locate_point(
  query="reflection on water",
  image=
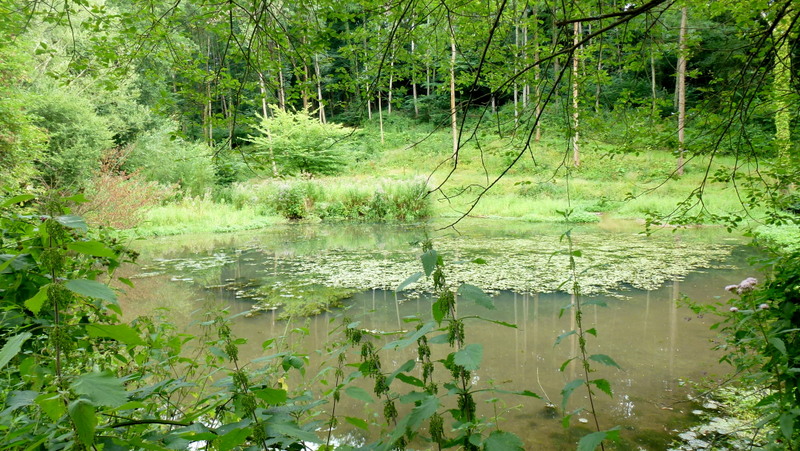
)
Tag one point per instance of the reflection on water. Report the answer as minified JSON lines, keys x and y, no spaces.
{"x":659,"y":345}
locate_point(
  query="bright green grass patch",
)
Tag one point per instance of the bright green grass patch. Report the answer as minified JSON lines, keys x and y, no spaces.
{"x":200,"y":214}
{"x":784,"y":237}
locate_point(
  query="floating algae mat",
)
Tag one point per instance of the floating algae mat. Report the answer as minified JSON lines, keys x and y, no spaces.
{"x":278,"y":266}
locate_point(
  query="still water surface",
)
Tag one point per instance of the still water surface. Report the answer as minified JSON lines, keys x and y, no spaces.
{"x":661,"y":347}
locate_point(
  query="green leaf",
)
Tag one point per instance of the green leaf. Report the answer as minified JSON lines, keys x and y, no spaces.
{"x":82,"y":414}
{"x":12,"y":347}
{"x":429,"y":260}
{"x":405,"y":342}
{"x":592,"y":331}
{"x":17,"y":399}
{"x":604,"y":359}
{"x":439,"y":310}
{"x":233,"y":438}
{"x":479,"y":261}
{"x":404,"y":368}
{"x":779,"y":345}
{"x":590,"y":442}
{"x":563,"y":336}
{"x":422,"y":412}
{"x":92,"y":289}
{"x":17,"y":262}
{"x":411,"y":279}
{"x":473,"y":293}
{"x":502,"y":441}
{"x":16,"y":200}
{"x":787,"y":425}
{"x":73,"y":222}
{"x":410,"y":380}
{"x":274,"y":396}
{"x":357,"y":422}
{"x":566,"y":392}
{"x":102,"y":389}
{"x":603,"y":385}
{"x":120,"y":332}
{"x":52,"y":405}
{"x":93,"y":248}
{"x":470,"y":357}
{"x":564,"y":364}
{"x":290,"y":430}
{"x":78,"y":198}
{"x":35,"y":303}
{"x":358,"y":393}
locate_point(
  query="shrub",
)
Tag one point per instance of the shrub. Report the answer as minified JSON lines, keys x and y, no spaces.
{"x":77,"y":137}
{"x":298,"y":143}
{"x":290,"y":201}
{"x":162,"y":157}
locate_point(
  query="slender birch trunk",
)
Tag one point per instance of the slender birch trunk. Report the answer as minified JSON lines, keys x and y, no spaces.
{"x":576,"y":157}
{"x":682,"y":89}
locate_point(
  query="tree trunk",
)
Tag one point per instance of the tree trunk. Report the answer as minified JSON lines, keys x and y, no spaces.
{"x":681,"y":88}
{"x":380,"y":116}
{"x":320,"y":100}
{"x":453,"y":118}
{"x":262,"y":86}
{"x":414,"y":82}
{"x":576,"y":157}
{"x":537,"y":76}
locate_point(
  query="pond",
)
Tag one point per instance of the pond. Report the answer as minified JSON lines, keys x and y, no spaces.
{"x":662,"y":348}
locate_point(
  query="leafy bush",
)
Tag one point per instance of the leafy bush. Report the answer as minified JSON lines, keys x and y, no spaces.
{"x":290,"y":201}
{"x":761,"y":328}
{"x":162,"y":157}
{"x":298,"y":143}
{"x":77,"y":137}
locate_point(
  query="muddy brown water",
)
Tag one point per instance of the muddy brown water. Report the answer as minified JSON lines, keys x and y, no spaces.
{"x":663,"y":348}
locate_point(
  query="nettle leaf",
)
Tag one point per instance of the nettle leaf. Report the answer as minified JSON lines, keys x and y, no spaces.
{"x":16,"y":200}
{"x":475,"y":294}
{"x":411,"y":279}
{"x":73,"y":222}
{"x":408,"y":366}
{"x":787,"y":425}
{"x":603,"y":385}
{"x":470,"y":357}
{"x":439,"y":310}
{"x":19,"y":398}
{"x":429,"y":260}
{"x":82,"y":414}
{"x":52,"y":405}
{"x":779,"y":344}
{"x":274,"y":396}
{"x":102,"y":389}
{"x":120,"y":332}
{"x":422,"y":412}
{"x":93,"y":248}
{"x":563,"y":336}
{"x":590,"y":442}
{"x":92,"y":289}
{"x":502,"y":441}
{"x":35,"y":303}
{"x":604,"y":359}
{"x":358,"y":393}
{"x":566,"y":392}
{"x":357,"y":422}
{"x":411,"y":339}
{"x":12,"y":347}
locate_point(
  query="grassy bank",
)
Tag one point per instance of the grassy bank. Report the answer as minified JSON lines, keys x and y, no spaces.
{"x":389,"y":186}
